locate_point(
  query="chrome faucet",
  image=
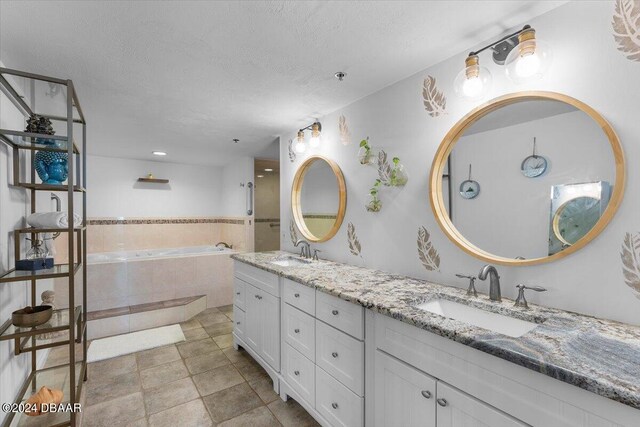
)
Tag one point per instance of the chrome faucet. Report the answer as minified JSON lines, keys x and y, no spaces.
{"x":494,"y":282}
{"x":225,"y":244}
{"x":305,"y":251}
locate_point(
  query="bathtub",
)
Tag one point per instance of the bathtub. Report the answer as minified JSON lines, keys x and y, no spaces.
{"x":121,"y":256}
{"x":130,"y":278}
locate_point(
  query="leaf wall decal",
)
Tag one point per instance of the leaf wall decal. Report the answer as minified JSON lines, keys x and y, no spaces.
{"x":631,"y":261}
{"x":626,"y":28}
{"x":384,"y":168}
{"x":293,"y":232}
{"x":354,"y":243}
{"x":434,"y":100}
{"x":292,"y":153}
{"x":345,"y":135}
{"x":426,"y":252}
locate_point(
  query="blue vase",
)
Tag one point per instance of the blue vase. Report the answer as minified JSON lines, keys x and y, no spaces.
{"x":52,"y":167}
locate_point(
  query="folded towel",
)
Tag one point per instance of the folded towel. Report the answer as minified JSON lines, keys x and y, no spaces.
{"x":53,"y":220}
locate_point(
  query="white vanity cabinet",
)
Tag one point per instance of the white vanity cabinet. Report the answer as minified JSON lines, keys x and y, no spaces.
{"x":257,"y":316}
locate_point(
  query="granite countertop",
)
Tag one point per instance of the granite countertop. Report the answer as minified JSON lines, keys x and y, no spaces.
{"x":601,"y":356}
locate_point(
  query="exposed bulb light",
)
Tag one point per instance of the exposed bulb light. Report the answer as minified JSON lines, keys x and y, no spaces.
{"x":158,"y":153}
{"x":314,"y":142}
{"x":268,"y":170}
{"x":529,"y":60}
{"x":260,"y":176}
{"x":301,"y":147}
{"x":473,"y":81}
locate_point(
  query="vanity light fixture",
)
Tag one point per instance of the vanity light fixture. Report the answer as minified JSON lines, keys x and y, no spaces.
{"x":525,"y":58}
{"x":314,"y":142}
{"x":159,"y":153}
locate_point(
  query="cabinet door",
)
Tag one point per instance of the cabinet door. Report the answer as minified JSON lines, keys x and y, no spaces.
{"x":404,"y":396}
{"x":253,"y":322}
{"x":457,"y":409}
{"x":270,"y":329}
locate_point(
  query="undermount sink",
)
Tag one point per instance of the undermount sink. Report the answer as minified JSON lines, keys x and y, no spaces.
{"x":478,"y":317}
{"x":290,"y":262}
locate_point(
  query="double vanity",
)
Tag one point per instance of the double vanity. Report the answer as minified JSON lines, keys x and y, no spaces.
{"x":360,"y":347}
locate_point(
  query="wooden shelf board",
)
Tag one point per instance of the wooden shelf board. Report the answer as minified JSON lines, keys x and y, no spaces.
{"x":154,"y":180}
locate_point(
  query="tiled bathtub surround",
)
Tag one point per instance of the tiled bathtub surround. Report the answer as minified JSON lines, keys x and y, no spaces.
{"x":598,"y":355}
{"x":124,"y":283}
{"x":112,"y":235}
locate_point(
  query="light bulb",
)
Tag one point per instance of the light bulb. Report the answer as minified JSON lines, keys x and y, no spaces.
{"x":314,"y":142}
{"x":528,"y":65}
{"x":301,"y":147}
{"x":529,"y":60}
{"x":474,"y":81}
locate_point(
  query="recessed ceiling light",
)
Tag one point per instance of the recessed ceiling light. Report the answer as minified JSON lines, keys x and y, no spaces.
{"x":159,"y":153}
{"x":260,"y":176}
{"x":268,"y":170}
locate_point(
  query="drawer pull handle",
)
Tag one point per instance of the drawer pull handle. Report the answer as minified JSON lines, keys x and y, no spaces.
{"x":442,"y":402}
{"x":334,"y":405}
{"x":334,"y":354}
{"x":237,"y":293}
{"x":256,"y":296}
{"x":237,"y":323}
{"x":297,"y":331}
{"x":297,"y":295}
{"x":334,"y":312}
{"x":426,"y":394}
{"x":296,"y":372}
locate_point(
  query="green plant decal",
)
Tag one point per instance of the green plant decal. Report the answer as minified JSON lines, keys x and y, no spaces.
{"x":365,"y":157}
{"x":398,"y":177}
{"x":375,"y":204}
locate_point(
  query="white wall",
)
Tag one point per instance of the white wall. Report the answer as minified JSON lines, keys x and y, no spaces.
{"x":114,"y":190}
{"x":517,"y":207}
{"x":234,"y":195}
{"x":587,"y":66}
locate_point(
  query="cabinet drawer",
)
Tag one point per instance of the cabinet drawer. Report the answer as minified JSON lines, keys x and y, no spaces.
{"x":300,"y":331}
{"x":339,"y":405}
{"x":346,"y":316}
{"x":340,"y":355}
{"x":261,"y":279}
{"x":239,"y":291}
{"x":239,"y":322}
{"x":299,"y":373}
{"x":299,"y":296}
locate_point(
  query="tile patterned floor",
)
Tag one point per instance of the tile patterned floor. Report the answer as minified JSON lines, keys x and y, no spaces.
{"x":198,"y":383}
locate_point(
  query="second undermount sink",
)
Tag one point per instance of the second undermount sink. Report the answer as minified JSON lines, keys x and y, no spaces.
{"x":505,"y":325}
{"x":291,"y":262}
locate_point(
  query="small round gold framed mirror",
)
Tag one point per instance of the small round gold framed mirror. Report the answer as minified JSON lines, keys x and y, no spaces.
{"x":318,"y":198}
{"x":527,"y":219}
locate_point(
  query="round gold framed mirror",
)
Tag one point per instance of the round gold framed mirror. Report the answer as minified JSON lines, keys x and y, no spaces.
{"x":318,"y":198}
{"x":538,"y":156}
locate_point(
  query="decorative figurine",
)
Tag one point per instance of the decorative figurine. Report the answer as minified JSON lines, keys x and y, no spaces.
{"x":48,"y":298}
{"x":51,"y":166}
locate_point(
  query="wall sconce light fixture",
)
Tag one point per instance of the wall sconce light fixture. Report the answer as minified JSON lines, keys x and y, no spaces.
{"x":525,"y":57}
{"x":314,"y":142}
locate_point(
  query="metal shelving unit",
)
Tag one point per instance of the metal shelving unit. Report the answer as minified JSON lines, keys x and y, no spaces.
{"x":65,"y":327}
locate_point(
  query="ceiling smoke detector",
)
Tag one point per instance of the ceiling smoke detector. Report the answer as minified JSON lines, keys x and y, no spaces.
{"x":236,"y":140}
{"x":340,"y":75}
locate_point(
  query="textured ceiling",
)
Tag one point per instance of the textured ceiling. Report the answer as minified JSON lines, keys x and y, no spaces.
{"x":188,"y":77}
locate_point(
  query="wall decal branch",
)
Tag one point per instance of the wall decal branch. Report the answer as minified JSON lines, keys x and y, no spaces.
{"x":434,"y":100}
{"x":354,"y":243}
{"x":426,"y":252}
{"x":626,"y":28}
{"x":293,"y":232}
{"x":292,"y":153}
{"x":631,"y":261}
{"x":345,"y":135}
